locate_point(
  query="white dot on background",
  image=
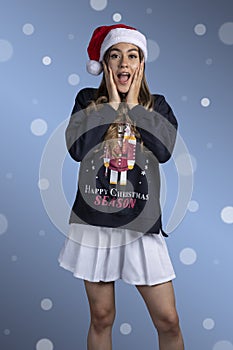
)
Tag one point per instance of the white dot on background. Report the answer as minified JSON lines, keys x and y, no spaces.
{"x":193,"y":206}
{"x":200,"y":29}
{"x":9,"y":176}
{"x":209,"y":61}
{"x":209,"y":145}
{"x":216,"y":262}
{"x":149,"y":11}
{"x":39,"y":127}
{"x":43,"y":184}
{"x":208,"y":323}
{"x":188,"y":256}
{"x":153,"y":50}
{"x":6,"y":332}
{"x":98,"y":5}
{"x":35,"y":101}
{"x":73,"y":79}
{"x":28,"y":29}
{"x":223,"y":345}
{"x":117,"y":17}
{"x":14,"y":258}
{"x":227,"y":215}
{"x":41,"y":233}
{"x":205,"y":101}
{"x":71,"y":36}
{"x":44,"y":344}
{"x":184,"y":98}
{"x":46,"y":60}
{"x":6,"y":50}
{"x":46,"y":304}
{"x":125,"y":328}
{"x":226,"y":33}
{"x":186,"y":164}
{"x":3,"y":224}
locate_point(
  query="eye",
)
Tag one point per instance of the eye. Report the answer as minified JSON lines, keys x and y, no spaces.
{"x":114,"y":56}
{"x":133,"y":56}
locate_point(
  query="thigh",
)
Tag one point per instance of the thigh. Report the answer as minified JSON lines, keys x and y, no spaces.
{"x":101,"y":296}
{"x":160,"y":301}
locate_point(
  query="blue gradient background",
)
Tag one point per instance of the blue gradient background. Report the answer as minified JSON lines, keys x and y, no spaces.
{"x":188,"y":68}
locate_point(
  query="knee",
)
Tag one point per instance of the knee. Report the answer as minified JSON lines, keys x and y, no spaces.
{"x":169,"y":323}
{"x":102,"y":318}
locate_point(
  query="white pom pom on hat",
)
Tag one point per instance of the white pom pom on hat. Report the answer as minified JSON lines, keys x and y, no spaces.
{"x":105,"y":36}
{"x":94,"y":67}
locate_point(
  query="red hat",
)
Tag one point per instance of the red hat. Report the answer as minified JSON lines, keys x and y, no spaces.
{"x":105,"y":36}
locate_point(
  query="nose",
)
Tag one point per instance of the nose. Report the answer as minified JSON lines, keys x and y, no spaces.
{"x":123,"y":62}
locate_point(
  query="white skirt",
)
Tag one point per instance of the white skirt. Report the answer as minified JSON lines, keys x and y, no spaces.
{"x":106,"y":254}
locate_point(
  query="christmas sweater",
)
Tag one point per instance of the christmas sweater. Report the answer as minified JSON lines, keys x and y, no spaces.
{"x":119,"y":179}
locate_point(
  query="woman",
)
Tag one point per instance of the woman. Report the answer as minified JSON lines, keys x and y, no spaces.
{"x":120,"y":133}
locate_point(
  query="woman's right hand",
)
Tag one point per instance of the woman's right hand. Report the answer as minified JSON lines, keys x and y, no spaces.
{"x":114,"y":98}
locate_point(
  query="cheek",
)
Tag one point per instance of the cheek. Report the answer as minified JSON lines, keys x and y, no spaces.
{"x":109,"y":65}
{"x":112,"y":65}
{"x":135,"y":66}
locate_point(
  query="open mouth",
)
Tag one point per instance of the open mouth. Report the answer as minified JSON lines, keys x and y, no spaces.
{"x":123,"y":77}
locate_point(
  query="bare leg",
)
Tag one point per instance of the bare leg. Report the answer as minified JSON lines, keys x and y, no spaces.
{"x":160,"y":301}
{"x":101,"y":299}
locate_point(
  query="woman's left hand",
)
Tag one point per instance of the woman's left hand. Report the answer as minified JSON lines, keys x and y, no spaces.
{"x":114,"y":98}
{"x":132,"y":96}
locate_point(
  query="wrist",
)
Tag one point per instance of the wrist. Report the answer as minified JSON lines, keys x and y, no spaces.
{"x":114,"y":104}
{"x":132,"y":104}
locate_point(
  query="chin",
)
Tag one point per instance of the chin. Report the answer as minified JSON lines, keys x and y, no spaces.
{"x":123,"y":89}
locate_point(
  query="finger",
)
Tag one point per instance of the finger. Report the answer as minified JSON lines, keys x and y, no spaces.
{"x":135,"y":76}
{"x":105,"y":69}
{"x":111,"y":75}
{"x":139,"y":74}
{"x":141,"y":67}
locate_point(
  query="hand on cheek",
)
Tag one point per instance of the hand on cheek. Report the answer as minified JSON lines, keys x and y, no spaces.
{"x":114,"y":98}
{"x":133,"y":94}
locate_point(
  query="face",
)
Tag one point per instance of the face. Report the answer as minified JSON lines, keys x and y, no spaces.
{"x":123,"y":60}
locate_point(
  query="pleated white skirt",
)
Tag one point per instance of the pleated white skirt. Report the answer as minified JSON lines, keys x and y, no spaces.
{"x":104,"y":254}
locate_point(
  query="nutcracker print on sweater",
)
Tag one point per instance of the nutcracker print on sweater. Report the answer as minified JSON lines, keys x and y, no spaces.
{"x":119,"y":154}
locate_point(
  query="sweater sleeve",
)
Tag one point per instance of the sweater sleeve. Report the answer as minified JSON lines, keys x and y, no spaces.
{"x":158,"y":128}
{"x":86,"y":129}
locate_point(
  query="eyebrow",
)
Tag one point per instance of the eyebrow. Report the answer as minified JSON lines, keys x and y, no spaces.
{"x":116,"y":49}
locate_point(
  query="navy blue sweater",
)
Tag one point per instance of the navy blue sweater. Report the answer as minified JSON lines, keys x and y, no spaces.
{"x":136,"y":205}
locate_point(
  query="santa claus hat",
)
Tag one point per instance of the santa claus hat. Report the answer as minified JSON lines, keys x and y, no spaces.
{"x":105,"y":36}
